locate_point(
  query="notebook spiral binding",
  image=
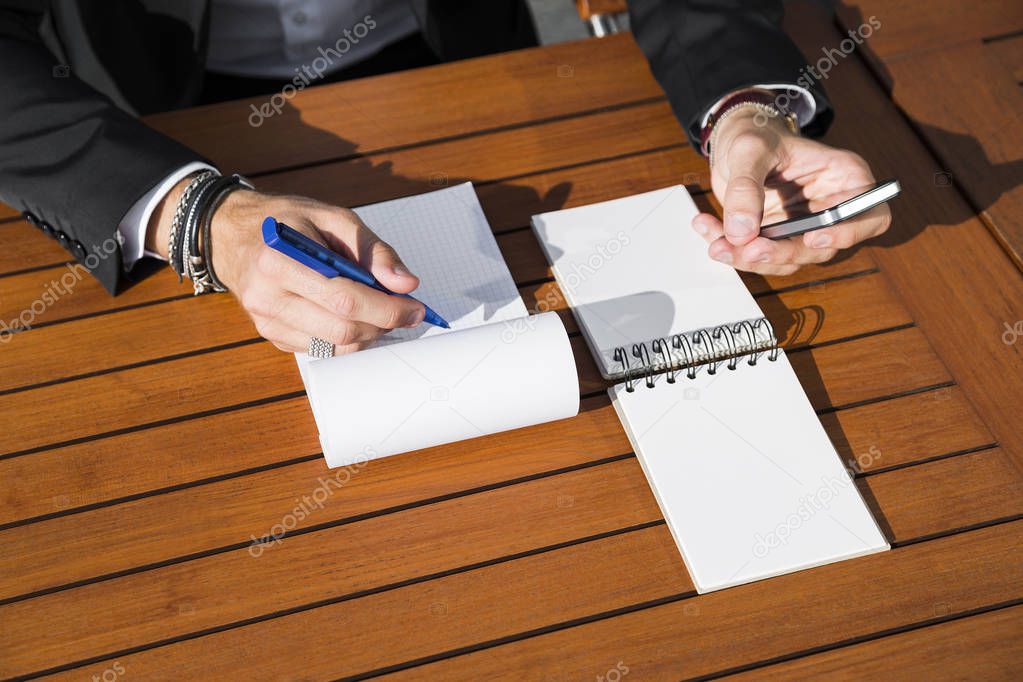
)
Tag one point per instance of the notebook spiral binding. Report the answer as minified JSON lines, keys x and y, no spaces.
{"x":711,"y":346}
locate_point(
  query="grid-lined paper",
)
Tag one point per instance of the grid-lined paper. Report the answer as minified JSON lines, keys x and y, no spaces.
{"x":444,"y":238}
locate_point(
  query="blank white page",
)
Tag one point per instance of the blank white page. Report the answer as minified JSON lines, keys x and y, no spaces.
{"x":441,"y":389}
{"x":745,"y":475}
{"x":634,"y":270}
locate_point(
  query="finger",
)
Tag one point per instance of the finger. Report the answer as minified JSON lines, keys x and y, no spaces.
{"x":748,"y":160}
{"x":342,"y":297}
{"x":294,"y":312}
{"x":294,"y":341}
{"x":708,"y":226}
{"x":358,"y":302}
{"x":763,"y":251}
{"x":870,"y":224}
{"x":372,"y":253}
{"x":725,"y":252}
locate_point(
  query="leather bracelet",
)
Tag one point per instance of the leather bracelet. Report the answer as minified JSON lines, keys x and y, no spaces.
{"x":192,"y":214}
{"x":205,"y":278}
{"x":174,"y":239}
{"x":195,"y":263}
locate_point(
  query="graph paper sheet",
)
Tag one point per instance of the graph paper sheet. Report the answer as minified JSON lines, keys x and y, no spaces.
{"x":496,"y":368}
{"x":444,"y":238}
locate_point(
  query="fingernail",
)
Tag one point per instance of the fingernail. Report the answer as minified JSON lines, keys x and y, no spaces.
{"x":821,"y":240}
{"x":738,"y":225}
{"x":699,"y":227}
{"x":401,"y":271}
{"x":415,"y":317}
{"x":724,"y":257}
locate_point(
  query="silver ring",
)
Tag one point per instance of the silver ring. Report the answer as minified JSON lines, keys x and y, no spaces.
{"x":318,"y":348}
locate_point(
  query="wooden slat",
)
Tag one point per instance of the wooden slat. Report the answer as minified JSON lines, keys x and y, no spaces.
{"x":786,"y":615}
{"x":988,"y":646}
{"x":913,"y":26}
{"x":895,"y":432}
{"x":968,"y":106}
{"x":27,"y":247}
{"x":588,"y":577}
{"x":957,"y":492}
{"x":358,"y":117}
{"x":146,"y":394}
{"x":849,"y":373}
{"x":29,"y":566}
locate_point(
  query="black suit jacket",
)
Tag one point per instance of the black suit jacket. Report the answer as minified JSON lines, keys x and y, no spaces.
{"x":76,"y":73}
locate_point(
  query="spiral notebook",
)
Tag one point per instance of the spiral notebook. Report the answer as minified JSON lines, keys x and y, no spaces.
{"x":747,"y":480}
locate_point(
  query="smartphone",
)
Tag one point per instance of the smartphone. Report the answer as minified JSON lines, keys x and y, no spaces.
{"x":808,"y":216}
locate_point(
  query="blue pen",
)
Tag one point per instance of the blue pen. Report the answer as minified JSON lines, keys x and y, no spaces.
{"x":314,"y":255}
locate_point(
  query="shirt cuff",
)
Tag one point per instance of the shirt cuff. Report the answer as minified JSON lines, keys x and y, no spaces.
{"x":131,"y":232}
{"x":794,"y":98}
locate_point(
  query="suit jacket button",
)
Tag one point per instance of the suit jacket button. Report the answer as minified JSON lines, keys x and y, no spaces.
{"x":64,"y":240}
{"x":31,"y":218}
{"x":78,"y":250}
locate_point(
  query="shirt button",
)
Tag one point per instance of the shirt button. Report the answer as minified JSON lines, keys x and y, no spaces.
{"x":299,"y":18}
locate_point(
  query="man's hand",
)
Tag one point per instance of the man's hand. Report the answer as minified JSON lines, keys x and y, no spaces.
{"x":288,"y":302}
{"x":760,"y":168}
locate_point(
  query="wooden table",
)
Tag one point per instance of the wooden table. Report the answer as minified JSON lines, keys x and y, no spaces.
{"x":535,"y":554}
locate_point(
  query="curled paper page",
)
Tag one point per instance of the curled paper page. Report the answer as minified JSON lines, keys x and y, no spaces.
{"x":441,"y":389}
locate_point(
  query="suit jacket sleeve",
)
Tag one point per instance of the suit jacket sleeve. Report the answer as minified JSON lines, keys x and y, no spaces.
{"x":69,"y":158}
{"x":700,"y":50}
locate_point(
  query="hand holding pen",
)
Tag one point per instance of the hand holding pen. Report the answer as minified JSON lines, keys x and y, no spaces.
{"x":290,"y":303}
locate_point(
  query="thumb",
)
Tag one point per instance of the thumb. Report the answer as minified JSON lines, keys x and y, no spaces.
{"x":748,"y":163}
{"x":349,"y":232}
{"x":386,"y":266}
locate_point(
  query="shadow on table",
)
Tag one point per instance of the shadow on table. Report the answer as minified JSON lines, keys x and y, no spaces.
{"x":950,"y":149}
